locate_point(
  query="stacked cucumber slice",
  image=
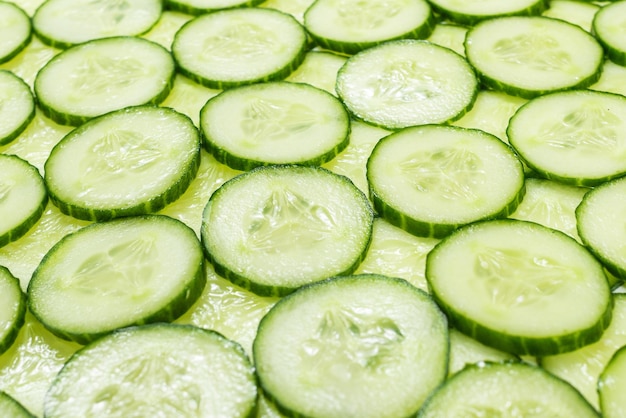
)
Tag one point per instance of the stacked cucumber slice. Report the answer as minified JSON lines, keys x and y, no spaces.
{"x":323,"y":208}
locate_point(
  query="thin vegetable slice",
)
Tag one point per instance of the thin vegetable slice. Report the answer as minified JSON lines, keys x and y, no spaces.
{"x":15,"y":30}
{"x":17,"y":106}
{"x":9,"y":407}
{"x":198,"y":7}
{"x":12,"y":309}
{"x":520,"y":287}
{"x":608,"y":27}
{"x":470,"y":12}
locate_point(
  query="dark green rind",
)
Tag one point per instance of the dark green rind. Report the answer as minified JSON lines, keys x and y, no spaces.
{"x":63,"y":118}
{"x":19,"y":48}
{"x":275,"y":290}
{"x":11,"y":334}
{"x":237,"y":162}
{"x":183,"y":7}
{"x":525,"y":93}
{"x":217,"y":84}
{"x":423,"y":31}
{"x":60,"y":44}
{"x":466,"y":19}
{"x":174,"y":308}
{"x":18,"y":231}
{"x":286,"y":412}
{"x":154,"y":328}
{"x":11,"y":408}
{"x":151,"y":205}
{"x":581,"y":403}
{"x":517,"y":344}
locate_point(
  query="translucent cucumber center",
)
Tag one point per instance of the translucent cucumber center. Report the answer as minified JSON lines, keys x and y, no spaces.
{"x":100,"y":74}
{"x":406,"y":81}
{"x":240,"y":41}
{"x":536,"y":49}
{"x":348,"y":343}
{"x":288,"y":223}
{"x":363,"y":15}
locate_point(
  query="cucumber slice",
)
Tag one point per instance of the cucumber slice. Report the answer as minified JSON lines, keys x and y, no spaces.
{"x":597,"y":217}
{"x":12,"y":310}
{"x":274,"y":123}
{"x":611,"y":384}
{"x":356,"y":346}
{"x":473,"y":11}
{"x":582,"y":367}
{"x":15,"y":30}
{"x":96,"y":77}
{"x":450,"y":36}
{"x":198,"y":7}
{"x":23,"y":197}
{"x":608,"y":27}
{"x":109,"y":275}
{"x":431,"y":179}
{"x":319,"y":69}
{"x":506,"y":390}
{"x":576,"y":137}
{"x":551,"y":204}
{"x":405,"y":83}
{"x":465,"y":350}
{"x":11,"y":408}
{"x":128,"y":162}
{"x":578,"y":12}
{"x":520,"y":287}
{"x":242,"y":46}
{"x":612,"y":80}
{"x":349,"y":26}
{"x":159,"y":370}
{"x":276,"y":228}
{"x":64,"y":23}
{"x":17,"y":106}
{"x":528,"y":56}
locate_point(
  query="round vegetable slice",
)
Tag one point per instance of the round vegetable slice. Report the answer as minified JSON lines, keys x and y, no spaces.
{"x":608,"y":27}
{"x":12,"y":309}
{"x":506,"y":389}
{"x":472,"y":12}
{"x":240,"y":46}
{"x":431,"y":179}
{"x":528,"y":56}
{"x":114,"y":274}
{"x":520,"y":287}
{"x":355,"y":346}
{"x":198,"y":7}
{"x":64,"y":23}
{"x":155,"y":370}
{"x":9,"y":407}
{"x":99,"y":76}
{"x":15,"y":30}
{"x":407,"y":82}
{"x":17,"y":106}
{"x":276,"y":228}
{"x":128,"y":162}
{"x":274,"y":123}
{"x":611,"y":384}
{"x":23,"y":197}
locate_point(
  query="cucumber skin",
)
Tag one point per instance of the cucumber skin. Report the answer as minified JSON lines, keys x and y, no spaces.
{"x":350,"y":48}
{"x":535,"y":9}
{"x":178,"y":6}
{"x":11,"y":335}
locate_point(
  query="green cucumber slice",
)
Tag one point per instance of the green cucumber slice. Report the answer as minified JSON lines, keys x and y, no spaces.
{"x":472,"y":12}
{"x":114,"y":274}
{"x":580,"y":13}
{"x":355,"y":346}
{"x":241,"y":46}
{"x":612,"y":80}
{"x":64,"y":23}
{"x":611,"y":384}
{"x":506,"y":390}
{"x":276,"y":228}
{"x":407,"y":82}
{"x":528,"y":56}
{"x":431,"y":179}
{"x":9,"y":407}
{"x":465,"y":350}
{"x":15,"y":30}
{"x":198,"y":7}
{"x":128,"y":162}
{"x":17,"y":106}
{"x":23,"y":197}
{"x":12,"y":309}
{"x":274,"y":123}
{"x":598,"y":219}
{"x":319,"y":69}
{"x":520,"y":287}
{"x":159,"y":370}
{"x":99,"y":76}
{"x":608,"y":27}
{"x":450,"y":36}
{"x":576,"y":137}
{"x":349,"y":26}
